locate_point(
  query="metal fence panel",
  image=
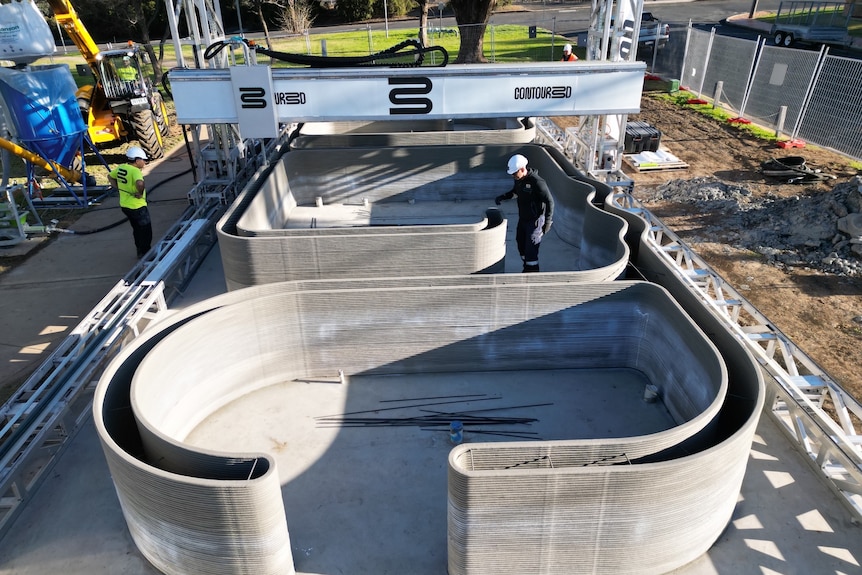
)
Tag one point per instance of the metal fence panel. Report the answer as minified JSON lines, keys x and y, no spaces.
{"x":782,"y":78}
{"x":667,"y":60}
{"x":833,"y":118}
{"x":501,"y":46}
{"x":730,"y":62}
{"x":696,"y":60}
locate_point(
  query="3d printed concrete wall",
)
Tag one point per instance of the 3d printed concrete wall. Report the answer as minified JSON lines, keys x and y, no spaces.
{"x":632,"y":504}
{"x":414,"y":133}
{"x":414,"y":211}
{"x":232,"y":514}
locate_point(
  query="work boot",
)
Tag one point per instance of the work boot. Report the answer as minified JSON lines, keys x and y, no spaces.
{"x":529,"y":268}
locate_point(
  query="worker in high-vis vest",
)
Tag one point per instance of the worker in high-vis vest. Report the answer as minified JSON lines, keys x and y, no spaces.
{"x":128,"y":180}
{"x":127,"y":72}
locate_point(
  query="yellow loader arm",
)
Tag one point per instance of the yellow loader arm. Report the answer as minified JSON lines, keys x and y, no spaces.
{"x":68,"y":19}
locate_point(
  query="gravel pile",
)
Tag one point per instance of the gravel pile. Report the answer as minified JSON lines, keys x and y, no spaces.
{"x":822,"y":231}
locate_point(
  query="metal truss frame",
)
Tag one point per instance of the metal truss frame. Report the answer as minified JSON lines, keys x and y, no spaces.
{"x":800,"y":390}
{"x":599,"y":140}
{"x":39,"y":421}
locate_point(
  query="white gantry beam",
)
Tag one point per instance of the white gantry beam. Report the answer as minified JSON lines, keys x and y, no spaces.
{"x":258,"y":98}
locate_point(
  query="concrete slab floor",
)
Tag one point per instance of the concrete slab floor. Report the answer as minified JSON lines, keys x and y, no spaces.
{"x":787,"y":521}
{"x":366,"y":497}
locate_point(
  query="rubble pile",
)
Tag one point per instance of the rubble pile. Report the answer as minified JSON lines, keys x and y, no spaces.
{"x":819,"y":230}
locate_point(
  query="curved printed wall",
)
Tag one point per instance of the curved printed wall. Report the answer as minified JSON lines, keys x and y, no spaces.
{"x":414,"y":133}
{"x":562,"y":506}
{"x":393,"y":212}
{"x":194,"y":362}
{"x":200,"y":512}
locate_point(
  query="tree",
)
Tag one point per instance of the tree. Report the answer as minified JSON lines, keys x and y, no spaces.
{"x":423,"y":22}
{"x":110,"y":21}
{"x":355,"y":10}
{"x":296,"y":16}
{"x":141,"y":22}
{"x":266,"y":11}
{"x":472,"y":17}
{"x":258,"y":7}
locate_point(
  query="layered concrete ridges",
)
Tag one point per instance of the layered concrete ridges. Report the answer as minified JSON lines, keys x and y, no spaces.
{"x":199,"y":523}
{"x":189,"y":366}
{"x":387,"y":212}
{"x":361,"y":263}
{"x":414,"y":133}
{"x":189,"y":511}
{"x":589,"y":517}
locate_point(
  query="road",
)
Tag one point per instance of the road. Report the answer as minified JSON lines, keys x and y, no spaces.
{"x":574,"y":17}
{"x":570,"y":19}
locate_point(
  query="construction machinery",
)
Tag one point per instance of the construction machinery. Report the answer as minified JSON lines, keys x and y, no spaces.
{"x":40,"y":123}
{"x":123,"y":102}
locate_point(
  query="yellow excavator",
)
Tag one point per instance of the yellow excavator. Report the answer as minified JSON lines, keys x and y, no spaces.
{"x":123,"y":101}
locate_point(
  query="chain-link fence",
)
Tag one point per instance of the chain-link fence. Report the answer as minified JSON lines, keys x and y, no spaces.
{"x":804,"y":94}
{"x":527,"y":35}
{"x":807,"y":94}
{"x":709,"y":59}
{"x":781,"y":80}
{"x":501,"y":43}
{"x":832,"y":117}
{"x":512,"y":34}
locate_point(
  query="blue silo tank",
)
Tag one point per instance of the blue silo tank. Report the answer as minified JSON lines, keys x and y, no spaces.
{"x":43,"y":110}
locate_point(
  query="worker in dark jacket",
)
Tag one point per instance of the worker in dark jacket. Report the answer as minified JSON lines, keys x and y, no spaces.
{"x":535,"y":210}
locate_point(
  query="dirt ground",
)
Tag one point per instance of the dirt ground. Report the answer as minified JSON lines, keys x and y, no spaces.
{"x":820,"y":312}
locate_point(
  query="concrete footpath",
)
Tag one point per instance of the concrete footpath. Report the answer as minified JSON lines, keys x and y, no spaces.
{"x":743,"y":21}
{"x":43,"y":298}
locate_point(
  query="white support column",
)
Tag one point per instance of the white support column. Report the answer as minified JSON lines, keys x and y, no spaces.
{"x":613,"y":37}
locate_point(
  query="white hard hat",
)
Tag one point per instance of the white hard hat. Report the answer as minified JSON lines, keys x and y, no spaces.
{"x":567,"y":48}
{"x":134,"y":152}
{"x":516,"y":162}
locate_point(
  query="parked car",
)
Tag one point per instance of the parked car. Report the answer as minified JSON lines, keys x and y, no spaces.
{"x":653,"y":32}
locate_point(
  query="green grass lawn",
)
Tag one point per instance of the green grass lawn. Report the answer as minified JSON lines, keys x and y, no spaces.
{"x":504,"y":43}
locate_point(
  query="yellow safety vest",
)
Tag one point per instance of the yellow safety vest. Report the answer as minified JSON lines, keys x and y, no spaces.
{"x":127,"y":73}
{"x":126,"y":176}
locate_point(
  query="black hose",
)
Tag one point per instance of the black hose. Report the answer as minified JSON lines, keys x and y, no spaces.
{"x":295,"y":134}
{"x":384,"y":58}
{"x":191,"y":155}
{"x":415,"y":49}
